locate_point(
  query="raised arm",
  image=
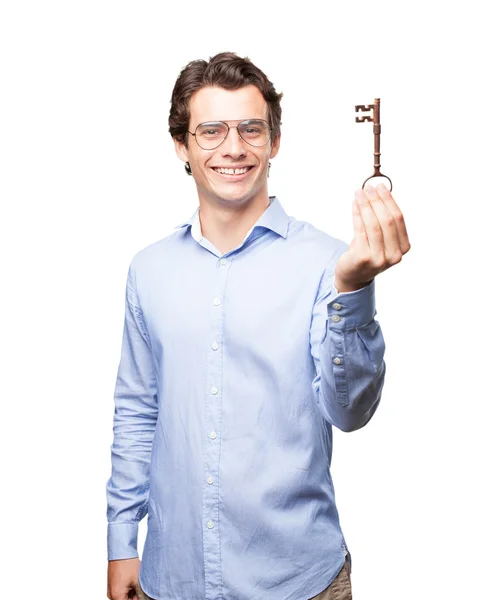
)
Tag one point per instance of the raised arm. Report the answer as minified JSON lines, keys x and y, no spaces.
{"x":347,"y":346}
{"x":346,"y":342}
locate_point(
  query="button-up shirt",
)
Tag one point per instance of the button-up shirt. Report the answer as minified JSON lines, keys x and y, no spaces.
{"x":234,"y":368}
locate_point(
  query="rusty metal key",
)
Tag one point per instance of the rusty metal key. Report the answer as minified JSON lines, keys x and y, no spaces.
{"x":377,"y":133}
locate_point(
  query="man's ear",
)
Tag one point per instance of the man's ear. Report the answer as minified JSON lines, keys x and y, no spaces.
{"x":275,"y":146}
{"x":181,"y":151}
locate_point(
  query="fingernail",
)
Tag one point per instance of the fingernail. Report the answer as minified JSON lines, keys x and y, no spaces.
{"x":369,"y":189}
{"x":382,"y":187}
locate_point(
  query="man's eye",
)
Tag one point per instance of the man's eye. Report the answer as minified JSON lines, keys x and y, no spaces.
{"x":211,"y":131}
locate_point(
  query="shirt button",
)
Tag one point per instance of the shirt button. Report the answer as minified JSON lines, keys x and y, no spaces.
{"x":213,"y":435}
{"x":223,"y":261}
{"x":337,"y":361}
{"x":214,"y":345}
{"x":336,"y":318}
{"x":337,"y":306}
{"x":214,"y":390}
{"x":210,"y":479}
{"x":210,"y":524}
{"x":216,"y":301}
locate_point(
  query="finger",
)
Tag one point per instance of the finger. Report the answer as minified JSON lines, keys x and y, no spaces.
{"x":372,"y":226}
{"x":394,"y":209}
{"x":392,"y":247}
{"x":360,"y":236}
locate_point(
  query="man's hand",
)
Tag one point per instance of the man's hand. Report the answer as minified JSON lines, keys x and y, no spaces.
{"x":122,"y":579}
{"x":380,"y":239}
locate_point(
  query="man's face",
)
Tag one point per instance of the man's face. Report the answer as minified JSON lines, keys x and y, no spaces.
{"x":217,"y":104}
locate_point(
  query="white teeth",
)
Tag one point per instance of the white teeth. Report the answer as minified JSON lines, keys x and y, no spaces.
{"x":231,"y":171}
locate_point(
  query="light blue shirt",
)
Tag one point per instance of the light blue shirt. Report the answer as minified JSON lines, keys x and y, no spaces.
{"x":233,"y":369}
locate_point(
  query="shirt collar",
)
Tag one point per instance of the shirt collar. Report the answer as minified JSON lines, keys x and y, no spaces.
{"x":274,"y":218}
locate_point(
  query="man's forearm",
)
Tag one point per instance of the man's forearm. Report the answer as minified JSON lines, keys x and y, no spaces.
{"x":350,"y":362}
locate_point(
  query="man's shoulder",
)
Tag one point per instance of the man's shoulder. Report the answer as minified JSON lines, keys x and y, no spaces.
{"x":156,"y":251}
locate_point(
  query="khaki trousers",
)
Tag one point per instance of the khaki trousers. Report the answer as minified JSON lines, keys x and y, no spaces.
{"x":340,"y":588}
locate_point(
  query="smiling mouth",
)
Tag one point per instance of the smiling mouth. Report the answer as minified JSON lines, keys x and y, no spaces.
{"x":232,"y":172}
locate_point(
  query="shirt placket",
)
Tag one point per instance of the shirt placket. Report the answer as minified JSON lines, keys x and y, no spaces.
{"x":213,"y":413}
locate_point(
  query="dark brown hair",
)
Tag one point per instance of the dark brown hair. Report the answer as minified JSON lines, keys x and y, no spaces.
{"x":226,"y":70}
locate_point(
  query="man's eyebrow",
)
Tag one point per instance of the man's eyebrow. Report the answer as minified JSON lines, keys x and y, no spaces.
{"x":232,"y":120}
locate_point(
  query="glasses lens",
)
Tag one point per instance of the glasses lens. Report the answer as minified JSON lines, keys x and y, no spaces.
{"x":209,"y":135}
{"x":255,"y":131}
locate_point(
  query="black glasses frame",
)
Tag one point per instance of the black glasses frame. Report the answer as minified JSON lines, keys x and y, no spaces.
{"x":232,"y":127}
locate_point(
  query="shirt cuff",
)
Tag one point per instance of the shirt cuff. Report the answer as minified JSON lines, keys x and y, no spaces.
{"x":122,"y":540}
{"x":348,"y":310}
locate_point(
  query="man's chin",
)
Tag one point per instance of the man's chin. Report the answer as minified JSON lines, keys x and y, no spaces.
{"x":226,"y":194}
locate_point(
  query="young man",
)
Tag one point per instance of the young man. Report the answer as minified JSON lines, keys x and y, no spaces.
{"x":248,"y":334}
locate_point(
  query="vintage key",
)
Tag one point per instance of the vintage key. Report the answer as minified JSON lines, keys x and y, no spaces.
{"x":377,"y":132}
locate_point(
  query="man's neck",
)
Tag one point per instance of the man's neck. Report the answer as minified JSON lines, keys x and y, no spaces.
{"x":225,"y":228}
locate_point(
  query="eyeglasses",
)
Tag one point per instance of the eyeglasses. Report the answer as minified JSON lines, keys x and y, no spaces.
{"x":210,"y":135}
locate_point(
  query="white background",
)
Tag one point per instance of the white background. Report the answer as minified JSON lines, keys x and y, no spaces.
{"x":89,"y":177}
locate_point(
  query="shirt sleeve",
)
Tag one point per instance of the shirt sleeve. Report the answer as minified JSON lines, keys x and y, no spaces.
{"x":134,"y":422}
{"x":348,"y":348}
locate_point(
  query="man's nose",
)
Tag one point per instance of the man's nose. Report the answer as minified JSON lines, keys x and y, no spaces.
{"x":234,"y":143}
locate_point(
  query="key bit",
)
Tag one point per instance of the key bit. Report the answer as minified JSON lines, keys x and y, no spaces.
{"x":375,"y":119}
